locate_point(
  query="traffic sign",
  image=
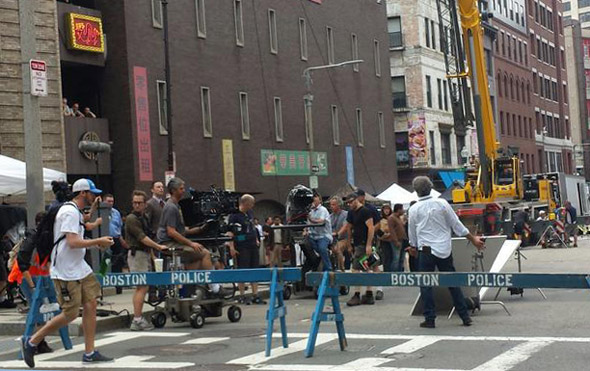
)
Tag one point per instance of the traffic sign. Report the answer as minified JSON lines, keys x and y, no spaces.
{"x":38,"y":71}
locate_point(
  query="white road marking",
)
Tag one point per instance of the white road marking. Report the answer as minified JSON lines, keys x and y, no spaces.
{"x":411,"y":346}
{"x":448,"y":337}
{"x":112,"y":338}
{"x":123,"y":362}
{"x":204,"y":341}
{"x":297,"y":346}
{"x":357,"y":367}
{"x":512,"y":357}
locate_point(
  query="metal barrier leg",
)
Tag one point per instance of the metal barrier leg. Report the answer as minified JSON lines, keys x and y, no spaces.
{"x":316,"y":318}
{"x":276,"y":309}
{"x":332,"y":292}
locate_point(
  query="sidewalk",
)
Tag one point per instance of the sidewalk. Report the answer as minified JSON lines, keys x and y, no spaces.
{"x":13,"y":323}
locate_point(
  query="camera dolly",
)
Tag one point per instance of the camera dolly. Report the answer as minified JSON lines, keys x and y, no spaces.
{"x":201,"y":304}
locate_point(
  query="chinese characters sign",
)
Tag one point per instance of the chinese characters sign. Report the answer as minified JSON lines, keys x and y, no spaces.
{"x":142,"y":115}
{"x":85,"y":33}
{"x":275,"y":162}
{"x":229,"y":179}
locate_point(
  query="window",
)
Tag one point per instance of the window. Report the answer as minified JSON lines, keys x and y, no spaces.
{"x":499,"y":82}
{"x":200,"y":15}
{"x":433,"y":34}
{"x":508,"y":124}
{"x":439,"y":91}
{"x":446,"y":98}
{"x":330,"y":44}
{"x":335,"y":125}
{"x":394,"y":28}
{"x":278,"y":119}
{"x":272,"y":29}
{"x":157,"y":13}
{"x":303,"y":39}
{"x":239,"y":20}
{"x":520,"y":51}
{"x":503,"y":45}
{"x":377,"y":57}
{"x":359,"y":128}
{"x":502,"y":126}
{"x":564,"y":93}
{"x":514,"y":47}
{"x":532,"y":43}
{"x":431,"y":146}
{"x":445,"y":145}
{"x":355,"y":51}
{"x":509,"y":48}
{"x":427,"y":30}
{"x":428,"y":92}
{"x":520,"y":126}
{"x":535,"y":89}
{"x":162,"y":108}
{"x":398,"y":90}
{"x":567,"y":6}
{"x":206,"y":111}
{"x":381,"y":126}
{"x":307,"y":119}
{"x":554,"y":90}
{"x":526,"y":57}
{"x":245,"y":116}
{"x":550,"y":20}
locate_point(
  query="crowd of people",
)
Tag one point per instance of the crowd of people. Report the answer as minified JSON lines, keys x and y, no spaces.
{"x":353,"y":235}
{"x":74,"y":110}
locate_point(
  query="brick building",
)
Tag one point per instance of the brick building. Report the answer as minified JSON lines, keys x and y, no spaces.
{"x":515,"y":106}
{"x":549,"y":80}
{"x":237,"y":94}
{"x":11,"y":84}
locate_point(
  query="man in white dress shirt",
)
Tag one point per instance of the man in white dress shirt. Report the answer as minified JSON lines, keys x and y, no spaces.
{"x":431,"y":224}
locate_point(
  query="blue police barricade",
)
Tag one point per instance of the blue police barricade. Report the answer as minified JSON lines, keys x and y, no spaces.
{"x":42,"y":308}
{"x":329,"y":283}
{"x":276,"y":276}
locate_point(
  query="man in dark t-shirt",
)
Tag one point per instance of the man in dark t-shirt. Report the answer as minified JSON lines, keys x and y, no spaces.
{"x":360,"y":227}
{"x":245,"y":243}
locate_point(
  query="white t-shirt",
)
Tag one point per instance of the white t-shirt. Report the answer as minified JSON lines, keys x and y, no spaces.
{"x":278,"y":236}
{"x":68,"y":264}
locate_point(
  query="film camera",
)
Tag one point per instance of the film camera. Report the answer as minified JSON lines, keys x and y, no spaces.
{"x":209,"y":208}
{"x":298,"y":204}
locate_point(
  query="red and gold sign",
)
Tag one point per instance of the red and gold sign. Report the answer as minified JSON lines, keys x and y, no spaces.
{"x":85,"y":33}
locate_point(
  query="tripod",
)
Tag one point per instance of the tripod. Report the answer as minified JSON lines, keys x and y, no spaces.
{"x":546,"y":233}
{"x":519,"y":256}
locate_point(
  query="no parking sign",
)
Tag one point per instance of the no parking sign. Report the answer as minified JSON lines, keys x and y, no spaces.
{"x":38,"y":71}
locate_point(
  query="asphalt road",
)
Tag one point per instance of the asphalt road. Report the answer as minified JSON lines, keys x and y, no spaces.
{"x":540,"y":334}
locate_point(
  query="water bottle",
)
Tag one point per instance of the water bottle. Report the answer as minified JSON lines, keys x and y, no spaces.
{"x":48,"y":307}
{"x":104,"y":264}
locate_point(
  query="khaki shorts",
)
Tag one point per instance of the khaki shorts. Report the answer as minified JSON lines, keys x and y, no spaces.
{"x":141,"y":262}
{"x":188,"y":255}
{"x":81,"y":292}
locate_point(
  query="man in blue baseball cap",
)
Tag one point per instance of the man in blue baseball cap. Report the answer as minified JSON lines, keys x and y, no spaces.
{"x":75,"y":283}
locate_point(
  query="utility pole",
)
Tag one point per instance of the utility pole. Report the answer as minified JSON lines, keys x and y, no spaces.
{"x":31,"y":115}
{"x":168,"y":86}
{"x":308,"y":101}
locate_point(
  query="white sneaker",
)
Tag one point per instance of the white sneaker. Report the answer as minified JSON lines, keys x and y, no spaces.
{"x":141,"y":325}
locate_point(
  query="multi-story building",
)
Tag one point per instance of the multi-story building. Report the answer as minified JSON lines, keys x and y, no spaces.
{"x":515,"y":107}
{"x":427,"y":140}
{"x":577,"y":10}
{"x":237,"y":93}
{"x":577,"y":56}
{"x":549,"y":80}
{"x":46,"y":48}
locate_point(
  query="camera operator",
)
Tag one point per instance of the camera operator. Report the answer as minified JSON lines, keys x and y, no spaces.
{"x":75,"y":283}
{"x":172,"y":231}
{"x":137,"y":232}
{"x":320,"y":237}
{"x":431,"y":223}
{"x":245,"y":243}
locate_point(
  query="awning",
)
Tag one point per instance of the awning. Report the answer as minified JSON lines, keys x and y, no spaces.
{"x":449,"y":177}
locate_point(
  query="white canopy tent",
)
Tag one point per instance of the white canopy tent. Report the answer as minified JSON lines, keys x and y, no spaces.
{"x":396,"y":194}
{"x":13,"y":177}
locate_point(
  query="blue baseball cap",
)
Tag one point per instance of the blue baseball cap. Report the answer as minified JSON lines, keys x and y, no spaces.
{"x":85,"y":185}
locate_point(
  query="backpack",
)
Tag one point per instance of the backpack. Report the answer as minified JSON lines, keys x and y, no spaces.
{"x":43,"y":239}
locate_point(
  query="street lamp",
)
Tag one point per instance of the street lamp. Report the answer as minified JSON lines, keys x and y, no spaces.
{"x":308,"y":100}
{"x":169,"y":128}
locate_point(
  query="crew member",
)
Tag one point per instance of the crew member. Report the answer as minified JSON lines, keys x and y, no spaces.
{"x":338,"y":223}
{"x":136,"y":231}
{"x":245,"y":243}
{"x":359,"y":226}
{"x":571,"y":222}
{"x":74,"y":280}
{"x":362,"y":196}
{"x":320,"y":237}
{"x":431,"y":223}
